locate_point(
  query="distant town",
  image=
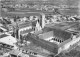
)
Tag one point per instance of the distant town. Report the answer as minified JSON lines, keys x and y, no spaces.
{"x":39,"y":28}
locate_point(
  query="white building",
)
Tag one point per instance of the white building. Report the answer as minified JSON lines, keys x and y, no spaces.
{"x":8,"y":40}
{"x":63,"y":38}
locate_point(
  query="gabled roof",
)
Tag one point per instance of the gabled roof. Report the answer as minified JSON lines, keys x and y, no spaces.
{"x":26,"y":24}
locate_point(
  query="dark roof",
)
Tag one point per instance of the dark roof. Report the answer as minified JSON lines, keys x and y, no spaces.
{"x":3,"y":35}
{"x":61,"y":34}
{"x":60,"y":30}
{"x":1,"y":30}
{"x":52,"y":47}
{"x":58,"y":33}
{"x":20,"y":14}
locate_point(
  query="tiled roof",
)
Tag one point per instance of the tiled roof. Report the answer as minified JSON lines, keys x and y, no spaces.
{"x":52,"y":47}
{"x":60,"y":34}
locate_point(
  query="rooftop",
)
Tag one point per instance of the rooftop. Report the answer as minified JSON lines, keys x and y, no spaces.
{"x":61,"y":30}
{"x":62,"y":25}
{"x":8,"y":40}
{"x":26,"y":24}
{"x":52,"y":47}
{"x":46,"y":35}
{"x":3,"y":35}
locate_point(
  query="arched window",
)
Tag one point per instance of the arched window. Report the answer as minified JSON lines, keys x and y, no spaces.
{"x":60,"y":41}
{"x":56,"y":39}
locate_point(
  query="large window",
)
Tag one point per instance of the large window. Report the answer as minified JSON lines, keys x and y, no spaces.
{"x":58,"y":40}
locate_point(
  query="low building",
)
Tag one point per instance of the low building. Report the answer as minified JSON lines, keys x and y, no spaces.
{"x":3,"y":28}
{"x":8,"y":40}
{"x":52,"y":47}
